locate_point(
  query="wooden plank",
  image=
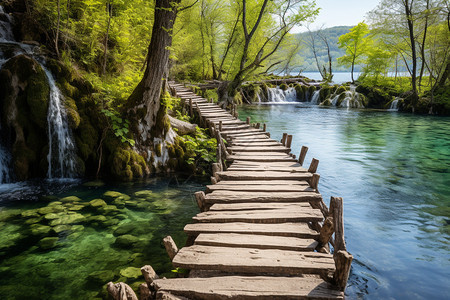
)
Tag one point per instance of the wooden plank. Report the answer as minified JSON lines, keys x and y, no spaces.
{"x":261,"y":216}
{"x":264,"y":149}
{"x":260,"y":188}
{"x":264,"y":143}
{"x":224,"y":196}
{"x":256,"y":241}
{"x":266,"y":158}
{"x":297,"y":229}
{"x":249,"y":260}
{"x":255,"y":287}
{"x":263,"y":182}
{"x":258,"y":206}
{"x":263,"y":175}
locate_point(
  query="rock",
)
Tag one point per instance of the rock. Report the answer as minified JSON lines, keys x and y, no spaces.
{"x":32,"y":213}
{"x":124,"y":229}
{"x":144,"y":194}
{"x":46,"y":210}
{"x":38,"y":229}
{"x":131,"y":272}
{"x":53,"y":216}
{"x":70,"y":199}
{"x":54,"y":203}
{"x":68,"y":219}
{"x":61,"y":228}
{"x":96,"y":203}
{"x":109,"y":210}
{"x":77,"y":228}
{"x":111,"y":222}
{"x":119,"y":203}
{"x":76,"y":207}
{"x":99,"y":278}
{"x":131,"y":203}
{"x":34,"y":220}
{"x":126,"y":241}
{"x":48,"y":243}
{"x":9,"y":214}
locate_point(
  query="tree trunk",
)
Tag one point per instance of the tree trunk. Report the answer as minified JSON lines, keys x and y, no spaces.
{"x":412,"y":39}
{"x":144,"y":107}
{"x":422,"y":50}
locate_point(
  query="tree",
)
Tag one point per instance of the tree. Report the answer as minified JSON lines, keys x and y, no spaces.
{"x":355,"y":43}
{"x":144,"y":105}
{"x":271,"y":21}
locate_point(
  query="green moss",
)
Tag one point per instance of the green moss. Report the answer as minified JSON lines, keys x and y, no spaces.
{"x":327,"y":102}
{"x":283,"y":86}
{"x":340,"y":99}
{"x":341,"y":89}
{"x":158,"y":149}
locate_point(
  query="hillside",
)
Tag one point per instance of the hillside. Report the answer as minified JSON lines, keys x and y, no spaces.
{"x":332,"y":35}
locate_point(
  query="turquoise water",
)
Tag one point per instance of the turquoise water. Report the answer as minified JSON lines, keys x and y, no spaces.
{"x":65,"y":240}
{"x":393,"y":171}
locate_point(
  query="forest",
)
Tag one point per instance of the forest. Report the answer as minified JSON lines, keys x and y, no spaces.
{"x":112,"y":59}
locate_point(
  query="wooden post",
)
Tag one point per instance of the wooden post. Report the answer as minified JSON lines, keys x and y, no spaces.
{"x":264,"y":127}
{"x":343,"y":262}
{"x":149,"y":276}
{"x":314,"y":182}
{"x":336,"y":208}
{"x":302,"y":156}
{"x":258,"y":125}
{"x":219,"y":147}
{"x":216,"y":167}
{"x":191,"y":109}
{"x":171,"y":247}
{"x":220,"y":126}
{"x":200,"y":197}
{"x":283,"y":139}
{"x":313,"y":166}
{"x":248,"y":120}
{"x":121,"y":291}
{"x":326,"y":232}
{"x":289,"y":141}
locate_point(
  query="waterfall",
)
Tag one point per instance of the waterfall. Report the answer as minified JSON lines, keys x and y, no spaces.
{"x":394,"y":105}
{"x":5,"y":161}
{"x":6,"y":33}
{"x":334,"y":100}
{"x":278,"y":95}
{"x":315,"y":97}
{"x":61,"y":153}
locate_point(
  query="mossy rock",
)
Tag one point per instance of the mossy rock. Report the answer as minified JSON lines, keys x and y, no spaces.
{"x":40,"y":230}
{"x":97,"y":203}
{"x":99,"y":278}
{"x":110,"y":196}
{"x":131,"y":272}
{"x":341,"y":89}
{"x":126,"y":241}
{"x":148,"y":194}
{"x":62,"y":228}
{"x":283,"y":86}
{"x":31,"y":213}
{"x":68,"y":219}
{"x":9,"y":214}
{"x":70,"y":199}
{"x":33,"y":220}
{"x":327,"y":102}
{"x":109,"y":210}
{"x":48,"y":243}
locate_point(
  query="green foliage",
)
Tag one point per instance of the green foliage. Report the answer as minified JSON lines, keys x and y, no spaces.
{"x":200,"y":148}
{"x":119,"y":126}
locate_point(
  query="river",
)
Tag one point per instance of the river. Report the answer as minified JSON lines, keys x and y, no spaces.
{"x":63,"y":239}
{"x":393,"y":171}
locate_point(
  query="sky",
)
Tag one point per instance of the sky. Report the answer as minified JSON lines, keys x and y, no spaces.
{"x":340,"y":12}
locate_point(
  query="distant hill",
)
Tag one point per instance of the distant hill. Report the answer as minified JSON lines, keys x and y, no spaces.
{"x":332,"y":34}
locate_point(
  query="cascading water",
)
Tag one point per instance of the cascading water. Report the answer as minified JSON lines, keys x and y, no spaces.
{"x":278,"y":95}
{"x":61,"y":153}
{"x":315,"y":97}
{"x":394,"y":105}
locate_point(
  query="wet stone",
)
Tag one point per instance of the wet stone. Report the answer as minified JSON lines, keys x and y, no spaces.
{"x":131,"y":272}
{"x":113,"y":195}
{"x":109,"y":210}
{"x":10,"y":214}
{"x":48,"y":243}
{"x":34,"y":220}
{"x":32,"y":213}
{"x":131,"y":203}
{"x":61,"y":228}
{"x":98,"y":278}
{"x":54,"y":203}
{"x":96,"y":203}
{"x":68,"y":219}
{"x":144,"y":194}
{"x":37,"y":229}
{"x":111,"y":222}
{"x":126,"y":241}
{"x":70,"y":199}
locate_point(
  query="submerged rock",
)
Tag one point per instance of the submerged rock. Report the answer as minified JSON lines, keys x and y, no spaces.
{"x":67,"y":219}
{"x":99,"y":278}
{"x":39,"y":230}
{"x":70,"y":199}
{"x":97,"y":203}
{"x":48,"y":243}
{"x":131,"y":272}
{"x":126,"y":241}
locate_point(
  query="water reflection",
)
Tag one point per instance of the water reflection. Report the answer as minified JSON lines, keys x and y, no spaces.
{"x":393,"y":171}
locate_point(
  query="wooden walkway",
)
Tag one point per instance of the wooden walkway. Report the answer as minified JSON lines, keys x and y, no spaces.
{"x":263,"y":231}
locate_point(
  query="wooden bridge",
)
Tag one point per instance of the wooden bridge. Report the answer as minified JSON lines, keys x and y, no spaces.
{"x":263,"y":231}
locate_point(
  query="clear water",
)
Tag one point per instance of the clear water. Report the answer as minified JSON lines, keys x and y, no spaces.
{"x":94,"y":245}
{"x":393,"y":171}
